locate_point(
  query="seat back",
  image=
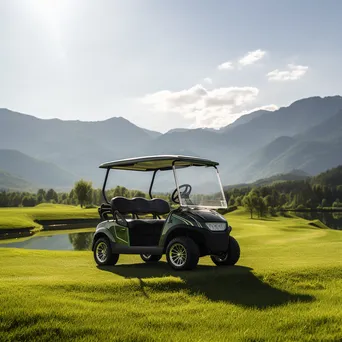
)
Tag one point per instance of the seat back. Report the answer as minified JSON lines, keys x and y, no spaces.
{"x":139,"y":206}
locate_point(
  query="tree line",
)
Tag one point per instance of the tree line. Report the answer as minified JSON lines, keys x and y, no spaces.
{"x":288,"y":195}
{"x":82,"y":194}
{"x":322,"y":191}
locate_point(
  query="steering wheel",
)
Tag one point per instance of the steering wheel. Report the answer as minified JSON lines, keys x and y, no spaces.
{"x":185,"y":193}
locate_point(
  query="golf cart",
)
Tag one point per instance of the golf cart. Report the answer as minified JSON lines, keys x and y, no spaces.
{"x":192,"y":230}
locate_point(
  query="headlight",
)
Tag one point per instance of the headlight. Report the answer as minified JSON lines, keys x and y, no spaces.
{"x":216,"y":226}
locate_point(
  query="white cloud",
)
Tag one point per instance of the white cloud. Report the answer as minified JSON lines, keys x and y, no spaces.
{"x":251,"y":57}
{"x":208,"y":108}
{"x":293,"y":73}
{"x":226,"y":66}
{"x":271,"y":108}
{"x":208,"y":80}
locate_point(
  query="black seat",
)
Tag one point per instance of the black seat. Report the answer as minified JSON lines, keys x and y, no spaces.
{"x":142,"y":231}
{"x":139,"y":206}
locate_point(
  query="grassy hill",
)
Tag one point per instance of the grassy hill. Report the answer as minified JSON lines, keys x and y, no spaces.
{"x":11,"y":218}
{"x":287,"y":286}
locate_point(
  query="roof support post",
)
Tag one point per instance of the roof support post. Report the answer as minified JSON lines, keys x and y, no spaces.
{"x":153,"y":177}
{"x":104,"y":186}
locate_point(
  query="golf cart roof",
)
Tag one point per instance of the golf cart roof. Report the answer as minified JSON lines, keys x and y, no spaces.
{"x":159,"y":162}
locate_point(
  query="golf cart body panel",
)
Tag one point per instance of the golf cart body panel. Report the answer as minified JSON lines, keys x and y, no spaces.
{"x":128,"y":231}
{"x":193,"y":223}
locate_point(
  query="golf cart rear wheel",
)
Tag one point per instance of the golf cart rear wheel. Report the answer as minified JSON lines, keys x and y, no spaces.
{"x":150,"y":257}
{"x":182,"y":253}
{"x":230,"y":257}
{"x":103,"y":253}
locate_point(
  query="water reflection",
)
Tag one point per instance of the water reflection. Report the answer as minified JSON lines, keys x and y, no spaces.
{"x":331,"y":219}
{"x":80,"y":241}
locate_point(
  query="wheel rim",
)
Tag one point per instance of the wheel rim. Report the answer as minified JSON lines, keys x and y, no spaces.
{"x":178,"y":255}
{"x":147,"y":256}
{"x":102,"y":251}
{"x":222,"y":257}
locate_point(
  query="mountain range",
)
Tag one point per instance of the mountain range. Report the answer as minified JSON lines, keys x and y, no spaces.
{"x":307,"y":136}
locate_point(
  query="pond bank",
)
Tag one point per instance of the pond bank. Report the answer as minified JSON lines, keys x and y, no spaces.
{"x":45,"y":217}
{"x":49,"y":225}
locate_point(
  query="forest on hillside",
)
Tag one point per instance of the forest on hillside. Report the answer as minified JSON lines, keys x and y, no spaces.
{"x":322,"y":191}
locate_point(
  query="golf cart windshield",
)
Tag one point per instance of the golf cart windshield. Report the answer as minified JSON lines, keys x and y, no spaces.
{"x":199,"y":187}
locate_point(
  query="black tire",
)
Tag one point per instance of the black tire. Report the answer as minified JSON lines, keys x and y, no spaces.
{"x":150,"y":258}
{"x":109,"y":258}
{"x":188,"y":248}
{"x":229,"y":258}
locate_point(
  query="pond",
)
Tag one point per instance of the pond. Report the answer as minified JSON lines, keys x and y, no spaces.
{"x":77,"y":240}
{"x":332,"y":220}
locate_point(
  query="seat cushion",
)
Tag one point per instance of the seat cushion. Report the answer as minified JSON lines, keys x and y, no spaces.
{"x":139,"y":206}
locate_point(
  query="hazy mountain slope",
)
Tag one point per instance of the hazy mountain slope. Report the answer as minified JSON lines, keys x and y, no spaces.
{"x":10,"y":182}
{"x":314,"y":149}
{"x":153,"y":134}
{"x":197,"y":142}
{"x":33,"y":170}
{"x":245,"y":151}
{"x":287,"y":121}
{"x":244,"y":119}
{"x":328,"y":130}
{"x":312,"y":157}
{"x":76,"y":146}
{"x":332,"y":177}
{"x":294,"y":175}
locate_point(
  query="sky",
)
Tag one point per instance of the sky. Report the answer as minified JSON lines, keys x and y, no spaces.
{"x":166,"y":64}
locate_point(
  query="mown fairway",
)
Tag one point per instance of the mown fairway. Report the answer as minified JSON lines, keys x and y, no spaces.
{"x":286,"y":286}
{"x":25,"y":217}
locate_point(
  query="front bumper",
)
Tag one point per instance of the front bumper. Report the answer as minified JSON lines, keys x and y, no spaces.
{"x":216,"y":242}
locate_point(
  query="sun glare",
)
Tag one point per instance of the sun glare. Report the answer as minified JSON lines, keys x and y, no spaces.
{"x":52,"y":14}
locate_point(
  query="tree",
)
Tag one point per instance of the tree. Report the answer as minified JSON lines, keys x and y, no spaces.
{"x":28,"y":201}
{"x":231,"y":201}
{"x":324,"y":203}
{"x":269,"y":201}
{"x":72,"y":197}
{"x":51,"y":195}
{"x":137,"y":193}
{"x":260,"y":206}
{"x":83,"y":191}
{"x":238,"y":201}
{"x":250,"y":202}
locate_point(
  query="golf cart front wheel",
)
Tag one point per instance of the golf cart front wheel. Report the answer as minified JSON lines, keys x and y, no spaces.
{"x":230,"y":257}
{"x":182,"y":253}
{"x":150,"y":257}
{"x":103,"y":253}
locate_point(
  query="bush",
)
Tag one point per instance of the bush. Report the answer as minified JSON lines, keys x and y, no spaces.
{"x":337,"y":204}
{"x":90,"y":206}
{"x":300,"y":207}
{"x":272,"y":211}
{"x":228,"y":210}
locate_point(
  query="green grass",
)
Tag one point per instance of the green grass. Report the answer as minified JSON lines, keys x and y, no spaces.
{"x":287,"y":286}
{"x":11,"y":218}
